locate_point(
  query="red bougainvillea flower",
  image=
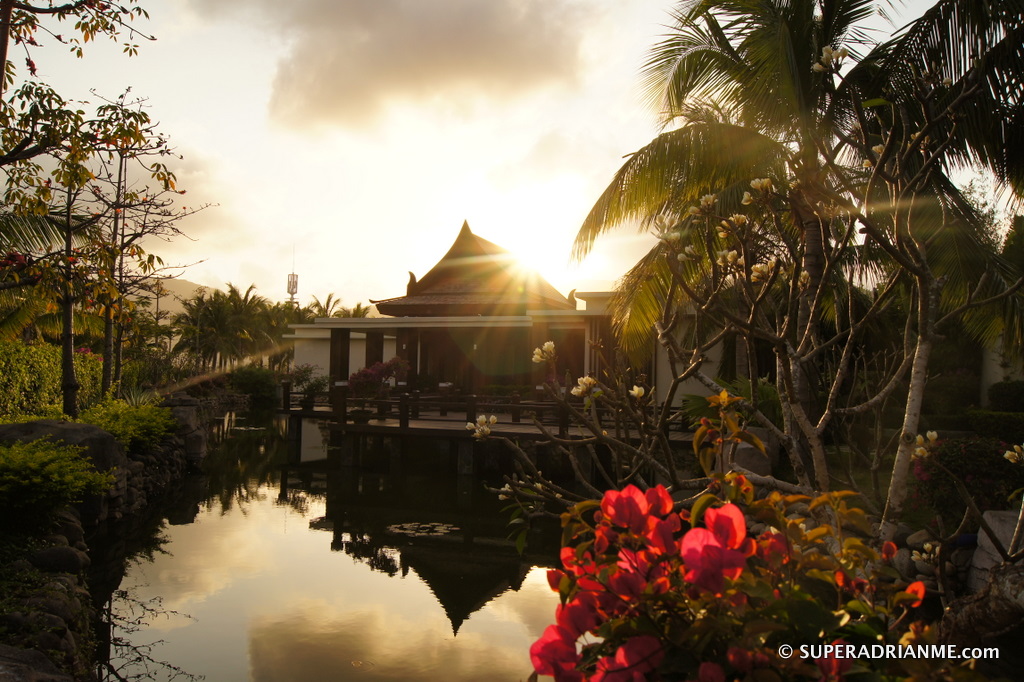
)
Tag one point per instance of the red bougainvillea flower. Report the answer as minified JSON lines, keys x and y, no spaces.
{"x":632,"y":661}
{"x":632,"y":509}
{"x":626,"y":508}
{"x":579,"y":615}
{"x":888,"y":550}
{"x":833,"y":668}
{"x":710,"y":672}
{"x":740,"y":659}
{"x":918,"y":590}
{"x":661,"y":535}
{"x":555,"y":654}
{"x":717,"y":552}
{"x":773,"y":548}
{"x":729,"y":526}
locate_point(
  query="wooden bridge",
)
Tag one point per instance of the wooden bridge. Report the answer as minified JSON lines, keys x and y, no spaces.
{"x":351,"y":420}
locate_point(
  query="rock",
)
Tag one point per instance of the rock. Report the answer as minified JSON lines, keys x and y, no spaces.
{"x":917,"y":540}
{"x":986,"y":557}
{"x":903,"y":531}
{"x":62,"y":559}
{"x":27,"y":665}
{"x":904,"y":564}
{"x":750,"y":458}
{"x":924,"y":568}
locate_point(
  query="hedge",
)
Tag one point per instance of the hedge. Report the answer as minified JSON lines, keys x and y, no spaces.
{"x":30,"y":378}
{"x":1007,"y":426}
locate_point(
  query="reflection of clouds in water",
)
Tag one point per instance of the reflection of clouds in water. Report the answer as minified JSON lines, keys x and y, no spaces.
{"x":316,"y":642}
{"x":201,"y":563}
{"x":533,"y":606}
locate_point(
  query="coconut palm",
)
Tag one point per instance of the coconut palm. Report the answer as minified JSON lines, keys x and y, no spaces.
{"x":838,"y":149}
{"x":737,"y":90}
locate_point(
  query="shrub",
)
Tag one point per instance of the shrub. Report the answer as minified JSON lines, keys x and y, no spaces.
{"x":1006,"y":396}
{"x":1008,"y":426}
{"x":30,"y":378}
{"x":258,"y":383}
{"x":979,"y":464}
{"x":951,"y":393}
{"x":138,"y":428}
{"x":40,"y":477}
{"x":649,"y":592}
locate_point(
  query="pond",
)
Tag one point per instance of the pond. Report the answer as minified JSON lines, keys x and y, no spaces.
{"x":265,"y":573}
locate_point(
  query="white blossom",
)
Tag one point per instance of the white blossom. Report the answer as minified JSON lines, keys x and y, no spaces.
{"x":584,"y":386}
{"x":637,"y":391}
{"x":707,"y":200}
{"x":544,"y":353}
{"x":747,"y":199}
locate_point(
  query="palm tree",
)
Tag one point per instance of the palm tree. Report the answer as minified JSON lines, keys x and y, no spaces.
{"x":850,"y":164}
{"x":358,"y":310}
{"x":329,"y":307}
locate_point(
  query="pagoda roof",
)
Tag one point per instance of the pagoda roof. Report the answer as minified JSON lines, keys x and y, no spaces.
{"x":475,"y":277}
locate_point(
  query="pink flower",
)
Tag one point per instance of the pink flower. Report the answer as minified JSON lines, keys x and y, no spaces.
{"x":717,"y":552}
{"x":632,"y":661}
{"x":710,"y":672}
{"x":632,"y":509}
{"x":833,"y":668}
{"x":555,"y":654}
{"x":626,"y":508}
{"x":579,"y":615}
{"x":918,"y":590}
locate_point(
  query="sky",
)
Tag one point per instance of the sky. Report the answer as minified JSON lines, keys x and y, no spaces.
{"x":348,"y":140}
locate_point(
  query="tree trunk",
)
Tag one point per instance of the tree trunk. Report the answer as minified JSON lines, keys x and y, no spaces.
{"x":929,"y":294}
{"x":995,"y":610}
{"x":108,"y":350}
{"x":6,"y":10}
{"x":69,"y":380}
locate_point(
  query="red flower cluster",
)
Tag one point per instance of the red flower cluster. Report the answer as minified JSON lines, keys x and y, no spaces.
{"x":639,"y":551}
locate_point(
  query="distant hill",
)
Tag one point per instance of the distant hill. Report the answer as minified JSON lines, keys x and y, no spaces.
{"x":177,"y":291}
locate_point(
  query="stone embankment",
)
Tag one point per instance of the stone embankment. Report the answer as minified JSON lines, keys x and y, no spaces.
{"x":56,"y":617}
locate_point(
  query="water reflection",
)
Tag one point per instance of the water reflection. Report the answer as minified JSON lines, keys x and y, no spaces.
{"x":308,"y":572}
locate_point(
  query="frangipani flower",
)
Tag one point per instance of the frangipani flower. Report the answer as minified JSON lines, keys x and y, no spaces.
{"x":482,"y":427}
{"x":584,"y":386}
{"x":637,"y":391}
{"x":544,"y":353}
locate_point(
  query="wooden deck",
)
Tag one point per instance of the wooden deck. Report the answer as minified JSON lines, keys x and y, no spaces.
{"x":433,"y":423}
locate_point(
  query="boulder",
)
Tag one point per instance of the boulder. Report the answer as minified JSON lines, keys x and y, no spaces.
{"x":26,"y":665}
{"x":986,"y":557}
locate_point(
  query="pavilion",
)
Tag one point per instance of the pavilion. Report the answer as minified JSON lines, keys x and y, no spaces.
{"x":472,"y":321}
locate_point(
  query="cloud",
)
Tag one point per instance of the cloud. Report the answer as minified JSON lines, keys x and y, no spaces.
{"x":346,"y":61}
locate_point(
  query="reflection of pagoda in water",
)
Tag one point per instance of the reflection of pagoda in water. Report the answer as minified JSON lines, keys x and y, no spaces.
{"x":464,"y":581}
{"x":457,"y":548}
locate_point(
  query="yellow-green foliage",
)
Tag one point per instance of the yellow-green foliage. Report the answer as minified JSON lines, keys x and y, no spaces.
{"x":40,"y":477}
{"x":139,"y":428}
{"x":30,"y":378}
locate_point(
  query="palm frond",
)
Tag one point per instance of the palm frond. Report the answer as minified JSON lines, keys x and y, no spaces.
{"x":675,"y":170}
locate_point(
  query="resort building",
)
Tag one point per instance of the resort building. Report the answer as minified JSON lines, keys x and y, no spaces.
{"x":471,"y":322}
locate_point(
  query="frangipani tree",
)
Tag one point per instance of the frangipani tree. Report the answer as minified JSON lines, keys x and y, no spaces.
{"x":802,"y":193}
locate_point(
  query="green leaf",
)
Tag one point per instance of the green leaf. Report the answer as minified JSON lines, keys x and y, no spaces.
{"x":702,"y":503}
